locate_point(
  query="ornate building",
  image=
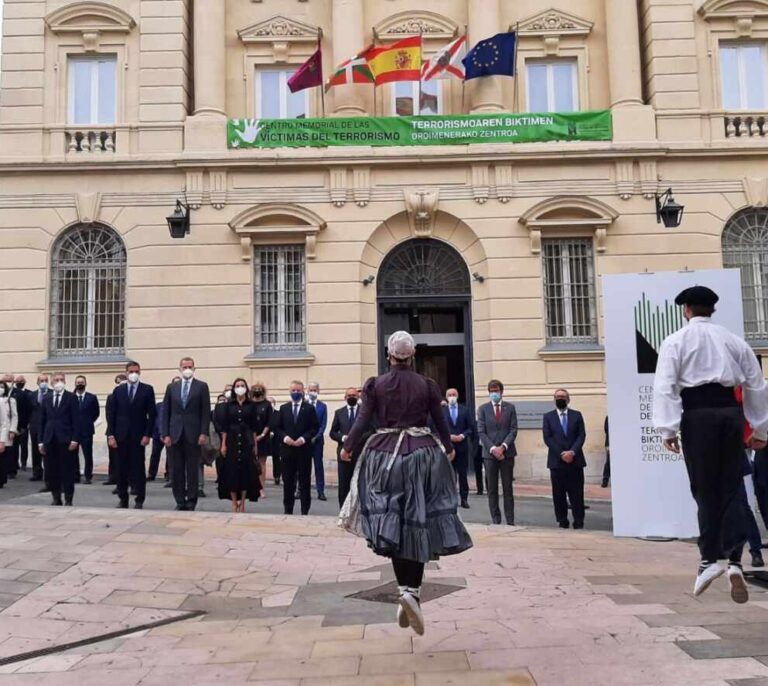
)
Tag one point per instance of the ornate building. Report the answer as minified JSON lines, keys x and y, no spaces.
{"x":300,"y":261}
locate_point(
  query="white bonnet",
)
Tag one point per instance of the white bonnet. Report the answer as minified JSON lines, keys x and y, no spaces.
{"x":401,"y":345}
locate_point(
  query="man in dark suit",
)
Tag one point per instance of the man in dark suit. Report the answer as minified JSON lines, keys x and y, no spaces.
{"x":35,"y":427}
{"x":24,"y":408}
{"x":111,"y":479}
{"x":497,"y":431}
{"x":295,"y":425}
{"x":87,"y":413}
{"x":343,"y":419}
{"x":186,"y":427}
{"x":462,"y":430}
{"x":318,"y":440}
{"x":130,"y":418}
{"x":58,"y":440}
{"x":564,"y":435}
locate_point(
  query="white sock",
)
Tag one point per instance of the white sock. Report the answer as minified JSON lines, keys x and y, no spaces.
{"x":415,"y":592}
{"x":402,"y":589}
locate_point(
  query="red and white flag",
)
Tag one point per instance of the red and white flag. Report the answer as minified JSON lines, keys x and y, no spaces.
{"x":446,"y":63}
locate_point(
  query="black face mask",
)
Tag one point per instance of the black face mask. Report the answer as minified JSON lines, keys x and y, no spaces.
{"x":561,"y":403}
{"x":351,"y":402}
{"x":20,"y":386}
{"x":80,"y":387}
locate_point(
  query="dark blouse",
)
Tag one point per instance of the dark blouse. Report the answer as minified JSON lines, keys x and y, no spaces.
{"x":239,"y":423}
{"x":400,"y":399}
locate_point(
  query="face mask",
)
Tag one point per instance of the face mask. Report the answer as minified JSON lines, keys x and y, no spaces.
{"x":453,"y":400}
{"x":59,"y":386}
{"x":240,"y":391}
{"x":313,"y":395}
{"x":561,"y":403}
{"x":80,"y":387}
{"x":351,"y":402}
{"x":42,"y":385}
{"x":258,"y":394}
{"x":20,"y":385}
{"x":187,"y":373}
{"x":495,"y":397}
{"x":227,"y":394}
{"x":133,"y":377}
{"x":296,"y":396}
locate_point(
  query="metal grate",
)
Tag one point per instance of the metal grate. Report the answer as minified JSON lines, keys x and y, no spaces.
{"x":569,"y":290}
{"x":280,"y":298}
{"x":423,"y":267}
{"x":745,"y":247}
{"x":88,"y":293}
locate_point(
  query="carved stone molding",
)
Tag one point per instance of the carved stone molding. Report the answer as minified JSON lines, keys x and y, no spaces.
{"x":625,"y":178}
{"x":733,"y":10}
{"x":338,"y":186}
{"x":194,"y":189}
{"x":421,"y":206}
{"x":91,"y":20}
{"x":218,"y":188}
{"x":414,"y":23}
{"x":756,"y":191}
{"x":554,"y":22}
{"x":481,"y":183}
{"x":278,"y":29}
{"x":88,"y":207}
{"x":505,"y":182}
{"x":649,"y":178}
{"x":361,"y":186}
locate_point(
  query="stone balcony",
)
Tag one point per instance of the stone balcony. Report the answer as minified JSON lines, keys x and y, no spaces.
{"x":746,"y":125}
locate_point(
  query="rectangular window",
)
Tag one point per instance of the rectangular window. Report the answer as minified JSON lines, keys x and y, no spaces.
{"x":93,"y":90}
{"x":406,"y":95}
{"x":274,"y":100}
{"x":743,"y":75}
{"x":552,"y":85}
{"x":280,"y":298}
{"x":569,"y":290}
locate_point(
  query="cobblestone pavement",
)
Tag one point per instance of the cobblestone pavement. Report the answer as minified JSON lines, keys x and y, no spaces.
{"x":259,"y":599}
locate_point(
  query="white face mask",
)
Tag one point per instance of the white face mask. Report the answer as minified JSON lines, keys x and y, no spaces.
{"x":187,"y":373}
{"x":59,"y":386}
{"x":133,"y":377}
{"x":240,"y":391}
{"x":227,"y":394}
{"x":453,"y":400}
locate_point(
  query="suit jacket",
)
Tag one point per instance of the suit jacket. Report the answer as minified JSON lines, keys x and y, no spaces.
{"x":492,"y":433}
{"x":558,"y":441}
{"x":305,"y":426}
{"x":341,"y":426}
{"x":464,"y":425}
{"x":22,"y":408}
{"x":36,"y":411}
{"x":58,"y":424}
{"x":87,"y":413}
{"x":131,"y":420}
{"x":322,"y":418}
{"x":192,"y":421}
{"x":157,"y":433}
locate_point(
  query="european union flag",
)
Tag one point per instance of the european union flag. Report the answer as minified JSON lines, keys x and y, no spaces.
{"x":492,"y":56}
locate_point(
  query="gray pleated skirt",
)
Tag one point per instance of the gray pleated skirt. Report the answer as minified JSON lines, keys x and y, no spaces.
{"x":411,"y":510}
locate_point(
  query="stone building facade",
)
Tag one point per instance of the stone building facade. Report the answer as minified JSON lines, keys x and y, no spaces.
{"x":300,"y":261}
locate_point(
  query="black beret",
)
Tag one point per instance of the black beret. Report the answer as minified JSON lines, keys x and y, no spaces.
{"x":697,"y":295}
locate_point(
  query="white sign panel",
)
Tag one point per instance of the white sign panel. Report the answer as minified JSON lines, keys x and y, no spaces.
{"x":651,"y":494}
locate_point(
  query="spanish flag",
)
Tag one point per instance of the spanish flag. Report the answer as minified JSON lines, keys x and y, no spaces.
{"x":400,"y":61}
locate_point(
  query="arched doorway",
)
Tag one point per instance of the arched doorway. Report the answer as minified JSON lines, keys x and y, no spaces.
{"x":423,"y":287}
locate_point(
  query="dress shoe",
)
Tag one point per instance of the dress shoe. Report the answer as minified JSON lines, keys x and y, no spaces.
{"x":277,"y":481}
{"x":88,"y":482}
{"x":757,"y":559}
{"x":180,"y":508}
{"x":122,"y":505}
{"x":564,"y":525}
{"x":12,"y":476}
{"x":578,"y":525}
{"x":68,"y":501}
{"x":36,"y":478}
{"x":604,"y":484}
{"x":114,"y":491}
{"x":44,"y":489}
{"x":465,"y":504}
{"x":150,"y":478}
{"x":496,"y":521}
{"x":481,"y":492}
{"x":191,"y":507}
{"x":138,"y":506}
{"x":201,"y":494}
{"x":167,"y":484}
{"x":109,"y":482}
{"x":56,"y":501}
{"x":321,"y":496}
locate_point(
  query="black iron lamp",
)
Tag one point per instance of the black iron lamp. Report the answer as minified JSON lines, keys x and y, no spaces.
{"x":668,"y":211}
{"x":178,"y":222}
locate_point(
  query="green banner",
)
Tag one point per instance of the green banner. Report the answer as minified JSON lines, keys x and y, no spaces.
{"x":423,"y":130}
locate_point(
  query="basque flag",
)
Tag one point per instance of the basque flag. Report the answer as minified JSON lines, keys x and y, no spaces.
{"x":492,"y":57}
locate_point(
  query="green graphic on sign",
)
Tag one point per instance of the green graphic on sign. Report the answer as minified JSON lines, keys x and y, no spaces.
{"x":422,"y":130}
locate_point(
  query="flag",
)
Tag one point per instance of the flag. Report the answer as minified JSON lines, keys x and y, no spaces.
{"x":492,"y":56}
{"x":446,"y":62}
{"x":400,"y":61}
{"x":309,"y":74}
{"x":353,"y":70}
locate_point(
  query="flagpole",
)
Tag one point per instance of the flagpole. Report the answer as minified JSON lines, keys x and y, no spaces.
{"x":421,"y":63}
{"x":516,"y":95}
{"x":322,"y":76}
{"x":464,"y":80}
{"x":375,"y":37}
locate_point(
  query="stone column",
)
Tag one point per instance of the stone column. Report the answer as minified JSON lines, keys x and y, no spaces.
{"x":207,"y":128}
{"x":348,"y":39}
{"x":632,"y":119}
{"x":484,"y":94}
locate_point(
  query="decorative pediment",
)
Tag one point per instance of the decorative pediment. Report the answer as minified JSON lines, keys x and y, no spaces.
{"x":427,"y":24}
{"x":90,"y":18}
{"x":554,"y":22}
{"x":279,"y":28}
{"x":733,"y":9}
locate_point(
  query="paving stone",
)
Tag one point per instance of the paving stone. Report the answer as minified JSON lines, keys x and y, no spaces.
{"x":404,"y":663}
{"x":704,"y":650}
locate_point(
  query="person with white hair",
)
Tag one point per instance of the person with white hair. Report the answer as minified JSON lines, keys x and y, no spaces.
{"x":403,"y":488}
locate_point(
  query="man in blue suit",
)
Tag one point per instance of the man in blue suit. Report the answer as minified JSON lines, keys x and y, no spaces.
{"x":462,"y":431}
{"x":58,"y":439}
{"x":130,"y":423}
{"x":318,"y":441}
{"x":87,"y":413}
{"x":564,"y":435}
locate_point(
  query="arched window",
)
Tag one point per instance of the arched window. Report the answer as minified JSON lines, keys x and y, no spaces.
{"x":745,"y":246}
{"x":88,"y":293}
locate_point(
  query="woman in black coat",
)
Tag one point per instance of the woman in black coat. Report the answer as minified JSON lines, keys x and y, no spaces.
{"x":263,"y":434}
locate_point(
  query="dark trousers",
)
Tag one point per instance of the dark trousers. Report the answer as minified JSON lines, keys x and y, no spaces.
{"x":346,"y":470}
{"x":478,"y":464}
{"x":317,"y":459}
{"x":61,"y":469}
{"x":86,"y":445}
{"x":185,"y":472}
{"x":460,"y":465}
{"x":493,"y":469}
{"x":111,"y":466}
{"x":297,"y":468}
{"x":154,"y":458}
{"x":277,"y":464}
{"x":753,"y":532}
{"x":37,"y":458}
{"x":130,"y":469}
{"x":568,"y":485}
{"x":713,"y":447}
{"x":607,"y":466}
{"x":4,"y":468}
{"x":12,"y":458}
{"x":23,"y":449}
{"x":760,"y":477}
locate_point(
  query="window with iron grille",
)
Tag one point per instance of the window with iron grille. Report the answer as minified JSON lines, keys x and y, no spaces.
{"x":88,"y":293}
{"x":280,"y":298}
{"x":745,"y":247}
{"x":569,"y":290}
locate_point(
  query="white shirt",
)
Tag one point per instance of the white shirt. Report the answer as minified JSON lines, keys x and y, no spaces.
{"x":702,"y":353}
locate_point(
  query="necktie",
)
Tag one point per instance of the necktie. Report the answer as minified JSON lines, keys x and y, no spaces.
{"x":80,"y":397}
{"x":185,"y":393}
{"x":133,"y":392}
{"x":39,"y":397}
{"x":454,"y":413}
{"x":498,"y":412}
{"x":564,"y":422}
{"x":58,"y":398}
{"x":295,"y":411}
